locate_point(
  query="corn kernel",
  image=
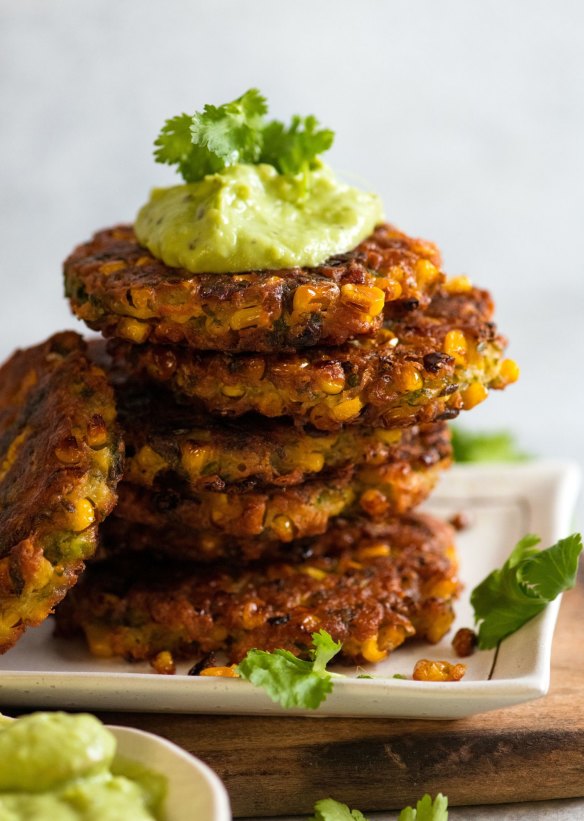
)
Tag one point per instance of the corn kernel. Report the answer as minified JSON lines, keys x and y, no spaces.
{"x":426,"y":272}
{"x":146,"y":465}
{"x":195,"y":457}
{"x":410,"y":378}
{"x":102,"y":459}
{"x":353,"y":565}
{"x":426,"y":670}
{"x":221,"y":672}
{"x":68,"y":452}
{"x":374,"y":551}
{"x":133,"y":330}
{"x":12,"y":452}
{"x":458,"y":285}
{"x":163,"y":663}
{"x":111,"y":267}
{"x":374,"y":502}
{"x":455,"y":345}
{"x":97,"y":432}
{"x":313,"y":462}
{"x":371,"y":651}
{"x":314,"y":573}
{"x":99,"y":641}
{"x":367,"y":298}
{"x":83,"y":516}
{"x":388,"y":437}
{"x":474,"y":395}
{"x":346,"y":410}
{"x":393,"y":635}
{"x":393,"y":290}
{"x":283,"y":528}
{"x":251,"y":616}
{"x":233,"y":391}
{"x":306,"y":299}
{"x":444,"y":589}
{"x":332,"y":385}
{"x":218,"y":633}
{"x":509,"y":371}
{"x":253,"y":317}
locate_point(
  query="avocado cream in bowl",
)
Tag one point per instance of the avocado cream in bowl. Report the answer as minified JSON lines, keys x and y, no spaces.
{"x":61,"y":767}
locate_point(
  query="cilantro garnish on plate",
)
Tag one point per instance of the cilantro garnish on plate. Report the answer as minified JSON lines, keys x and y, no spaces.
{"x":290,"y":681}
{"x":496,"y":446}
{"x":528,"y":581}
{"x":237,"y":132}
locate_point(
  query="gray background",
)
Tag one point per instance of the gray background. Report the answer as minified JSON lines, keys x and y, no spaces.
{"x":467,"y":116}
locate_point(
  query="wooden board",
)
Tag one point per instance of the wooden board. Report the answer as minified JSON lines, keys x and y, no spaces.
{"x":277,"y":766}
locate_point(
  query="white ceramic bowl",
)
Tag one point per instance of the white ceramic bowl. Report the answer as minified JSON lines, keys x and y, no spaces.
{"x":194,"y":790}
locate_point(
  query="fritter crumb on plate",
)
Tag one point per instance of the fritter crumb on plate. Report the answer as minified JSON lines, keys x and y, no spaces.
{"x":383,"y":583}
{"x":60,"y":460}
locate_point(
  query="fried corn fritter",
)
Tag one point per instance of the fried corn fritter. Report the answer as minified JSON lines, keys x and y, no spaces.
{"x":117,"y":287}
{"x":384,"y":583}
{"x":205,"y":453}
{"x":301,"y":510}
{"x":427,"y":366}
{"x":166,"y":440}
{"x":60,"y":459}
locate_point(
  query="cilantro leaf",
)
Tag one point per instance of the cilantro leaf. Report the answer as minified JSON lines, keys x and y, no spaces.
{"x":330,"y":810}
{"x":232,"y":132}
{"x":499,"y":446}
{"x":175,"y":147}
{"x":427,"y":810}
{"x":530,"y":579}
{"x":294,"y":149}
{"x":288,"y":680}
{"x":237,"y":132}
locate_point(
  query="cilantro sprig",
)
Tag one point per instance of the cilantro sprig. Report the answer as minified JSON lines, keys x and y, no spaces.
{"x":237,"y":132}
{"x":290,"y":681}
{"x":528,"y":581}
{"x":425,"y":810}
{"x":473,"y":446}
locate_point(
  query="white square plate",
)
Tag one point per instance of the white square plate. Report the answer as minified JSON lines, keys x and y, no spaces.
{"x":504,"y":502}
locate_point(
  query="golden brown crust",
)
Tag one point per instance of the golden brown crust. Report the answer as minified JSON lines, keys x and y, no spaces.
{"x":120,"y":289}
{"x":415,"y":370}
{"x":60,"y":459}
{"x":383,"y":583}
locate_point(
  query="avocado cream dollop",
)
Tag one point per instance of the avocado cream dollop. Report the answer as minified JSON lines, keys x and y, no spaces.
{"x":60,"y":767}
{"x":250,"y":217}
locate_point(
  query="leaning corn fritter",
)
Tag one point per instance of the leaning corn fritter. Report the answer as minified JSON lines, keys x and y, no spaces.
{"x":117,"y":287}
{"x":382,"y":583}
{"x":60,"y":460}
{"x":426,"y":366}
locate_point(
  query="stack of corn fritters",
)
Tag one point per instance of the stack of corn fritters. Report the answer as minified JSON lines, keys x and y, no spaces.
{"x":280,"y":427}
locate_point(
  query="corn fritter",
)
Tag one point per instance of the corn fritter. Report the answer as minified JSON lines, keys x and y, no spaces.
{"x":60,"y":460}
{"x":117,"y":287}
{"x":383,"y":583}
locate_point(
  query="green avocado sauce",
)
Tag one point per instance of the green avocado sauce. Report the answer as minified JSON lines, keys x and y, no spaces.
{"x":250,"y":217}
{"x":60,"y":767}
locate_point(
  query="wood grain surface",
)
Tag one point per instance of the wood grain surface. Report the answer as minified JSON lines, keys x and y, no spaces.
{"x":277,"y":766}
